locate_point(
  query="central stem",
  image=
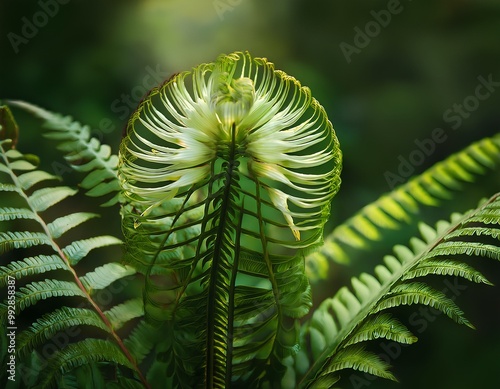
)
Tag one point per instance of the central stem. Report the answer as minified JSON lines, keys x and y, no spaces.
{"x":218,"y":286}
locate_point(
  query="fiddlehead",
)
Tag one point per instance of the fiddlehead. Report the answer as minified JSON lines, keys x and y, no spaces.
{"x":228,"y":171}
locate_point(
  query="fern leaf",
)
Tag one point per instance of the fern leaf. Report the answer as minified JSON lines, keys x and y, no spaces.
{"x":419,"y":293}
{"x":83,"y":152}
{"x":446,"y":268}
{"x":30,"y":266}
{"x":22,"y":239}
{"x":348,"y":318}
{"x":28,"y":187}
{"x":30,"y":179}
{"x":392,"y":209}
{"x":121,"y":314}
{"x":80,"y":248}
{"x":21,"y":165}
{"x":355,"y":357}
{"x":78,"y":354}
{"x":9,"y":213}
{"x":382,"y":326}
{"x":469,"y":248}
{"x":50,"y":324}
{"x":63,"y":224}
{"x":43,"y":199}
{"x":32,"y":293}
{"x":105,"y":275}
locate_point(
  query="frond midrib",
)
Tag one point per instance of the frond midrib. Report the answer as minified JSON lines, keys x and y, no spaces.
{"x":213,"y":324}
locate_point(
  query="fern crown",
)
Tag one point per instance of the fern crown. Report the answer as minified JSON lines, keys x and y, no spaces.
{"x":236,"y":109}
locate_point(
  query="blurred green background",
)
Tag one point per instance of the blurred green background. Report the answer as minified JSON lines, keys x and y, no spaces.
{"x":387,"y":72}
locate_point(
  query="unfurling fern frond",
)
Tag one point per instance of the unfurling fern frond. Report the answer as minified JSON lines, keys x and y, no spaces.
{"x":228,"y":171}
{"x":391,"y":210}
{"x":38,"y":264}
{"x":338,"y":328}
{"x":83,"y":152}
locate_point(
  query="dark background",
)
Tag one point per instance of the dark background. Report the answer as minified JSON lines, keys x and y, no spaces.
{"x":91,"y":60}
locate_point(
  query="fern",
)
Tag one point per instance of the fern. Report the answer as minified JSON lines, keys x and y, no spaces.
{"x":342,"y":322}
{"x":50,"y":275}
{"x":391,"y":210}
{"x":83,"y":152}
{"x":204,"y":205}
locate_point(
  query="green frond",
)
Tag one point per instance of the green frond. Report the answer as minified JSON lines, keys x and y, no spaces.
{"x":30,"y":179}
{"x":63,"y":224}
{"x":357,"y":358}
{"x":43,"y":329}
{"x":77,"y":250}
{"x":52,"y":274}
{"x":446,"y":267}
{"x":228,"y":172}
{"x":103,"y":276}
{"x":392,"y":209}
{"x":420,"y":293}
{"x":122,"y":313}
{"x":21,"y":164}
{"x":36,"y":291}
{"x":9,"y":213}
{"x":79,"y":354}
{"x":42,"y":199}
{"x":30,"y":266}
{"x":143,"y":339}
{"x":382,"y":326}
{"x":22,"y":239}
{"x":468,"y":248}
{"x":83,"y":152}
{"x":349,"y":318}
